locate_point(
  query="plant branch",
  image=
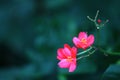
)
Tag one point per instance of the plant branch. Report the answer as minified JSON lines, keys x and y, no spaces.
{"x":84,"y":51}
{"x":90,"y":53}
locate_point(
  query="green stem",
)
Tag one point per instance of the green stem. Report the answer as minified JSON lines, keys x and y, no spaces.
{"x":98,"y":27}
{"x":109,"y":52}
{"x":98,"y":37}
{"x":94,"y":20}
{"x":86,"y":55}
{"x":84,"y":51}
{"x":96,"y":16}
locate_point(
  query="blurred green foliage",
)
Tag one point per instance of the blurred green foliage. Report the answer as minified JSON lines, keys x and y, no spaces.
{"x":31,"y":31}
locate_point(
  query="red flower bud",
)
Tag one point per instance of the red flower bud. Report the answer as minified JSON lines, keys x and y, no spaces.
{"x":99,"y":21}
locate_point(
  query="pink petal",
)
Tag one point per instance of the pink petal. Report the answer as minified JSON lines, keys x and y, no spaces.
{"x":76,"y":41}
{"x":67,"y":52}
{"x":59,"y":58}
{"x":67,"y":46}
{"x":64,"y":64}
{"x":74,"y":51}
{"x":60,"y":53}
{"x":90,"y":40}
{"x":82,"y":35}
{"x":72,"y":67}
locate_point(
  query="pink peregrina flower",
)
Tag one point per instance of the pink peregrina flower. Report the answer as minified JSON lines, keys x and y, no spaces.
{"x":67,"y":57}
{"x":83,"y":41}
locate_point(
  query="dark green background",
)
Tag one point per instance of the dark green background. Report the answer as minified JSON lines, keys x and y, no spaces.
{"x":31,"y":31}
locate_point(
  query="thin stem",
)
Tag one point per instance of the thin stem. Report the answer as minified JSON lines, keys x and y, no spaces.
{"x":97,"y":25}
{"x":94,"y":20}
{"x":84,"y":51}
{"x":104,"y":23}
{"x":96,"y":15}
{"x":86,"y":55}
{"x":90,"y":18}
{"x":109,"y":52}
{"x":98,"y":36}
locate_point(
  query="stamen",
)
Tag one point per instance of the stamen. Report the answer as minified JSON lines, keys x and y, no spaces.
{"x":69,"y":58}
{"x":83,"y":40}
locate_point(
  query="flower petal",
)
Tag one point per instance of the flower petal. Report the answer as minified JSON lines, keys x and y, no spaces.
{"x":76,"y":41}
{"x":82,"y":35}
{"x":90,"y":40}
{"x":72,"y":67}
{"x":64,"y":64}
{"x":60,"y":53}
{"x":67,"y":52}
{"x":74,"y":51}
{"x":59,"y":58}
{"x":67,"y":46}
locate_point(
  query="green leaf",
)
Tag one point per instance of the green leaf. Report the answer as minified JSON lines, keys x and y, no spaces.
{"x":112,"y":73}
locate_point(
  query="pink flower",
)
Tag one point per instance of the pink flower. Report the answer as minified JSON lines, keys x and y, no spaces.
{"x":83,"y":41}
{"x":67,"y":57}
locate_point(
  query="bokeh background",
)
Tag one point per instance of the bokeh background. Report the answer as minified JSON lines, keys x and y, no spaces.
{"x":31,"y":31}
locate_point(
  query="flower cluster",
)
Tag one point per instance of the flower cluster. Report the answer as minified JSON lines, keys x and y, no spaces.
{"x":67,"y":55}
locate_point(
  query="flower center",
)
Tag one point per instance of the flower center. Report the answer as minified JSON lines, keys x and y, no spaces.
{"x":83,"y":40}
{"x":69,"y":58}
